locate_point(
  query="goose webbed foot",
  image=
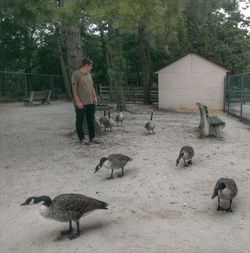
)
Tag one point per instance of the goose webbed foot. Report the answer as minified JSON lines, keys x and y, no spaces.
{"x":111,"y":176}
{"x":74,"y":235}
{"x":229,"y":210}
{"x":67,"y":232}
{"x":121,"y":175}
{"x":220,"y":209}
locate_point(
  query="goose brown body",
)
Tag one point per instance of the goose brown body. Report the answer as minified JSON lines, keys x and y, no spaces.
{"x":226,"y":189}
{"x":186,"y":153}
{"x":66,"y":208}
{"x":112,"y":162}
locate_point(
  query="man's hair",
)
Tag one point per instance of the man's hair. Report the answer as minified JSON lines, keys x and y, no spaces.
{"x":86,"y":61}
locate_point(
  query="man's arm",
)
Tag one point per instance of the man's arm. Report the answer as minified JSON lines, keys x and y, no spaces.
{"x":93,"y":88}
{"x":78,"y":102}
{"x":95,"y":97}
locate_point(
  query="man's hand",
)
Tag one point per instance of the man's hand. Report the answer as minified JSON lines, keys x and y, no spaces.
{"x":95,"y":100}
{"x":80,"y":105}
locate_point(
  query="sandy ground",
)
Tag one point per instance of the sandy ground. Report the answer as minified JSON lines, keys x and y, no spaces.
{"x":155,"y":207}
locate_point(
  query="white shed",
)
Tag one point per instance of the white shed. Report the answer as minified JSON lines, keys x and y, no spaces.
{"x":189,"y":80}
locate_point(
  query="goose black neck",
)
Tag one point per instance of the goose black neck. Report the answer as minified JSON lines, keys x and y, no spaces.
{"x":45,"y":199}
{"x":221,"y":186}
{"x":151,"y":118}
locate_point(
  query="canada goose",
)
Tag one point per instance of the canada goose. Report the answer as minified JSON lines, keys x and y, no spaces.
{"x":66,"y":208}
{"x":226,"y":189}
{"x":150,"y":126}
{"x":103,"y":118}
{"x":108,"y":123}
{"x":119,"y":116}
{"x":186,"y":153}
{"x":114,"y":161}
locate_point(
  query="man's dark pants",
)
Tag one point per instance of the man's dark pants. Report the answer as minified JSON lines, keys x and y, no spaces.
{"x":89,"y":112}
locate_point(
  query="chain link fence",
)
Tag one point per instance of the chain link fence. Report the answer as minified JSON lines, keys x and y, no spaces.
{"x":237,"y":95}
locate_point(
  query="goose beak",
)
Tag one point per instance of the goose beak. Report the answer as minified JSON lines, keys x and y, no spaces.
{"x":24,"y":204}
{"x":97,"y":168}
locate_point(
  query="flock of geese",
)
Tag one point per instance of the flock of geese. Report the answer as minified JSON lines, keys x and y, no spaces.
{"x":71,"y":207}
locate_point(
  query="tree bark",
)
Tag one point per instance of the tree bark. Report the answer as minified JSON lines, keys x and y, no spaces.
{"x":105,"y":54}
{"x":72,"y":40}
{"x":117,"y":68}
{"x":73,"y":46}
{"x":66,"y":78}
{"x":144,"y":57}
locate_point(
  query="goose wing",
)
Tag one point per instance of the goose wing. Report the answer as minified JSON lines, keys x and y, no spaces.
{"x":118,"y":160}
{"x":75,"y":205}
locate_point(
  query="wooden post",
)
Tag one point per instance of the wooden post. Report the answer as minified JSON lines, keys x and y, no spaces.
{"x":25,"y":85}
{"x":100,"y":92}
{"x":229,"y":95}
{"x":134,"y":94}
{"x":3,"y":87}
{"x":241,"y":96}
{"x":52,"y":87}
{"x":225,"y":93}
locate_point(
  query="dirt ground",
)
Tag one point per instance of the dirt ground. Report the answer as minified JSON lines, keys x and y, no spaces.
{"x":155,"y":207}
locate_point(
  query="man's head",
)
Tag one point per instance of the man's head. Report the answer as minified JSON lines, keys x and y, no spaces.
{"x":86,"y":64}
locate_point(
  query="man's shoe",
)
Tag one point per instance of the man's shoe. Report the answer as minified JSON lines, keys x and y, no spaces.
{"x":84,"y":142}
{"x":94,"y":141}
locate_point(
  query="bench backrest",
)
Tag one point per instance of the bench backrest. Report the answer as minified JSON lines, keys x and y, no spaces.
{"x":203,"y":109}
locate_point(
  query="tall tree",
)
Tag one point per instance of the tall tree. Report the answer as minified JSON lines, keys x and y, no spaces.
{"x":213,"y":30}
{"x":148,"y":17}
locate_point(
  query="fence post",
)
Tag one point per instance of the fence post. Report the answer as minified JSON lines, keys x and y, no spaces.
{"x":229,"y":95}
{"x":52,"y":87}
{"x":25,"y":85}
{"x":134,"y":94}
{"x":241,"y":96}
{"x":225,"y":93}
{"x":3,"y":87}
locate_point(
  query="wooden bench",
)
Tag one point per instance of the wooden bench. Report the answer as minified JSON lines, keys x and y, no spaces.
{"x":209,"y":125}
{"x":42,"y":96}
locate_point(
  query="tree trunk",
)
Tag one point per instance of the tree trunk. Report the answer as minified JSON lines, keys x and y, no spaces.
{"x":105,"y":54}
{"x":144,"y":57}
{"x":117,"y":66}
{"x":66,"y":78}
{"x":74,"y":53}
{"x":73,"y":46}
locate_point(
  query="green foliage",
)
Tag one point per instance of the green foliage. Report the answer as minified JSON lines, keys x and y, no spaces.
{"x":214,"y":33}
{"x":214,"y":29}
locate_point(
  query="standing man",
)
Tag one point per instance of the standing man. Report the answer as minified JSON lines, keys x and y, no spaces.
{"x":85,"y":100}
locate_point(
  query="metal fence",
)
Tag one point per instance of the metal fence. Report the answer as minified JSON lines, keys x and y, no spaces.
{"x":18,"y":85}
{"x":237,"y":95}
